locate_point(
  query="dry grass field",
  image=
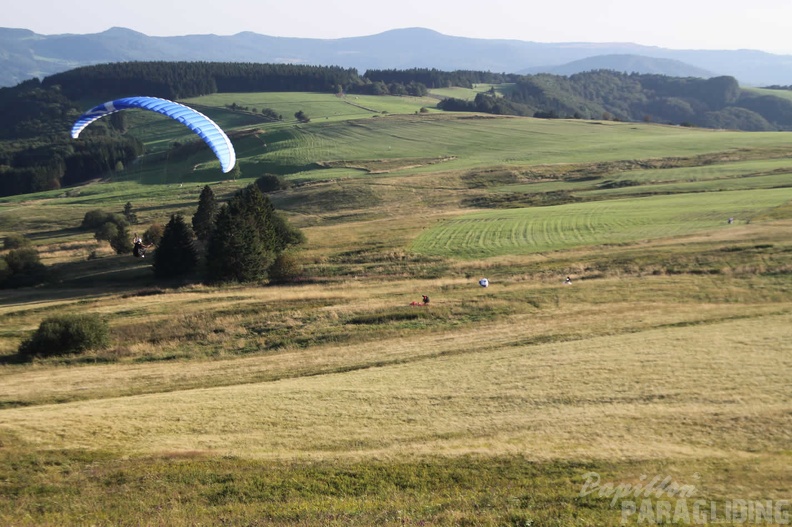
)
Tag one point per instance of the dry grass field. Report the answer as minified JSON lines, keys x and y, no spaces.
{"x":333,"y":401}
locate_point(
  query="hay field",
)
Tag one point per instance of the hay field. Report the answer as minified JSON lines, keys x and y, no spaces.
{"x":335,"y":402}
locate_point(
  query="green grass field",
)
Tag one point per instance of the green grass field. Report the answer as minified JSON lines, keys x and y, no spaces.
{"x":605,"y":222}
{"x":335,"y":402}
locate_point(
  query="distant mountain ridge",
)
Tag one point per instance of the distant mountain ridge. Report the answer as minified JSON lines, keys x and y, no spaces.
{"x":25,"y":54}
{"x":626,"y":64}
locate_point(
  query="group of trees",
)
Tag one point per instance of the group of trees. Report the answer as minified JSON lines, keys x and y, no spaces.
{"x":177,"y":80}
{"x":243,"y":240}
{"x":267,"y":113}
{"x":37,"y":154}
{"x":414,"y":89}
{"x":713,"y":103}
{"x":432,"y":78}
{"x":111,"y":227}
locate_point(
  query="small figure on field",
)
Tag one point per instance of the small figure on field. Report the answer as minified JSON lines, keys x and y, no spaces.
{"x":424,"y":301}
{"x":568,"y":281}
{"x":484,"y":282}
{"x":139,"y":248}
{"x":731,"y":220}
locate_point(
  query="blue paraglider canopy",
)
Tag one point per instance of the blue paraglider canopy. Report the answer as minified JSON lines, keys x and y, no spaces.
{"x":206,"y":129}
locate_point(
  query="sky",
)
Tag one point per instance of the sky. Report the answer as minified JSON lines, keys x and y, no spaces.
{"x":677,"y":24}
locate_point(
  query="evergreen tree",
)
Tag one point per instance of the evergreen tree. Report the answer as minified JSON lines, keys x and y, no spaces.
{"x":247,"y":238}
{"x":204,"y":217}
{"x":130,"y":216}
{"x":235,"y":251}
{"x":176,"y":254}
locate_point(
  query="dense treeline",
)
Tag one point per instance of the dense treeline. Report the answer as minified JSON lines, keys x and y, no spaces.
{"x":37,"y":154}
{"x":714,"y":103}
{"x":434,"y":78}
{"x":178,"y":80}
{"x":31,"y":111}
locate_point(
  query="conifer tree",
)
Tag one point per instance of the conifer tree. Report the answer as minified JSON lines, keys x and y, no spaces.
{"x":176,"y":254}
{"x":247,"y":238}
{"x":129,"y":214}
{"x":204,"y":217}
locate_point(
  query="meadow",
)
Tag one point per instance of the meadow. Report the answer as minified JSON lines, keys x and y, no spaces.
{"x":333,"y":401}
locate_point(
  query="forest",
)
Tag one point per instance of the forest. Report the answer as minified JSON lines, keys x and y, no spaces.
{"x":718,"y":102}
{"x":36,"y":154}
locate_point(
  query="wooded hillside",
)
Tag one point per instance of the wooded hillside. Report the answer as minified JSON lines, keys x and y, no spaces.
{"x":36,"y":152}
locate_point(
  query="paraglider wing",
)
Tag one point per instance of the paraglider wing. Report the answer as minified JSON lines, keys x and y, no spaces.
{"x":206,"y":129}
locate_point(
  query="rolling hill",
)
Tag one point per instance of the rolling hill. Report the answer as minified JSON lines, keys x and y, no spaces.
{"x":333,"y":401}
{"x":626,"y":64}
{"x":25,"y":54}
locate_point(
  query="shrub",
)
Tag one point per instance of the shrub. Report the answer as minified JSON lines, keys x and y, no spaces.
{"x":153,"y":234}
{"x":121,"y":243}
{"x":15,"y":241}
{"x":65,"y":334}
{"x":106,"y":232}
{"x":93,"y":219}
{"x":5,"y":272}
{"x":22,"y":268}
{"x":286,"y":268}
{"x":271,"y":183}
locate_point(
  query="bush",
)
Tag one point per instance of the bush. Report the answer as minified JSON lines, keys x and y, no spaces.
{"x":121,"y":243}
{"x":5,"y":272}
{"x":106,"y":232}
{"x":15,"y":241}
{"x":271,"y":183}
{"x":65,"y":334}
{"x":93,"y":219}
{"x":153,"y":234}
{"x":22,"y":268}
{"x":286,"y":268}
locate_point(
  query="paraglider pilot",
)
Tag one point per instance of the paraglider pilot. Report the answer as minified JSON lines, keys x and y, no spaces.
{"x":139,"y":248}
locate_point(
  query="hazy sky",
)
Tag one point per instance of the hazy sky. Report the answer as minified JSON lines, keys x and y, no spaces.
{"x":679,"y":24}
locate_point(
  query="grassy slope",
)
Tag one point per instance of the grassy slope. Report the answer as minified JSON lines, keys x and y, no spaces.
{"x":337,"y":403}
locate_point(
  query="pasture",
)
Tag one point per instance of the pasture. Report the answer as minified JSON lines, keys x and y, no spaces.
{"x":333,"y":401}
